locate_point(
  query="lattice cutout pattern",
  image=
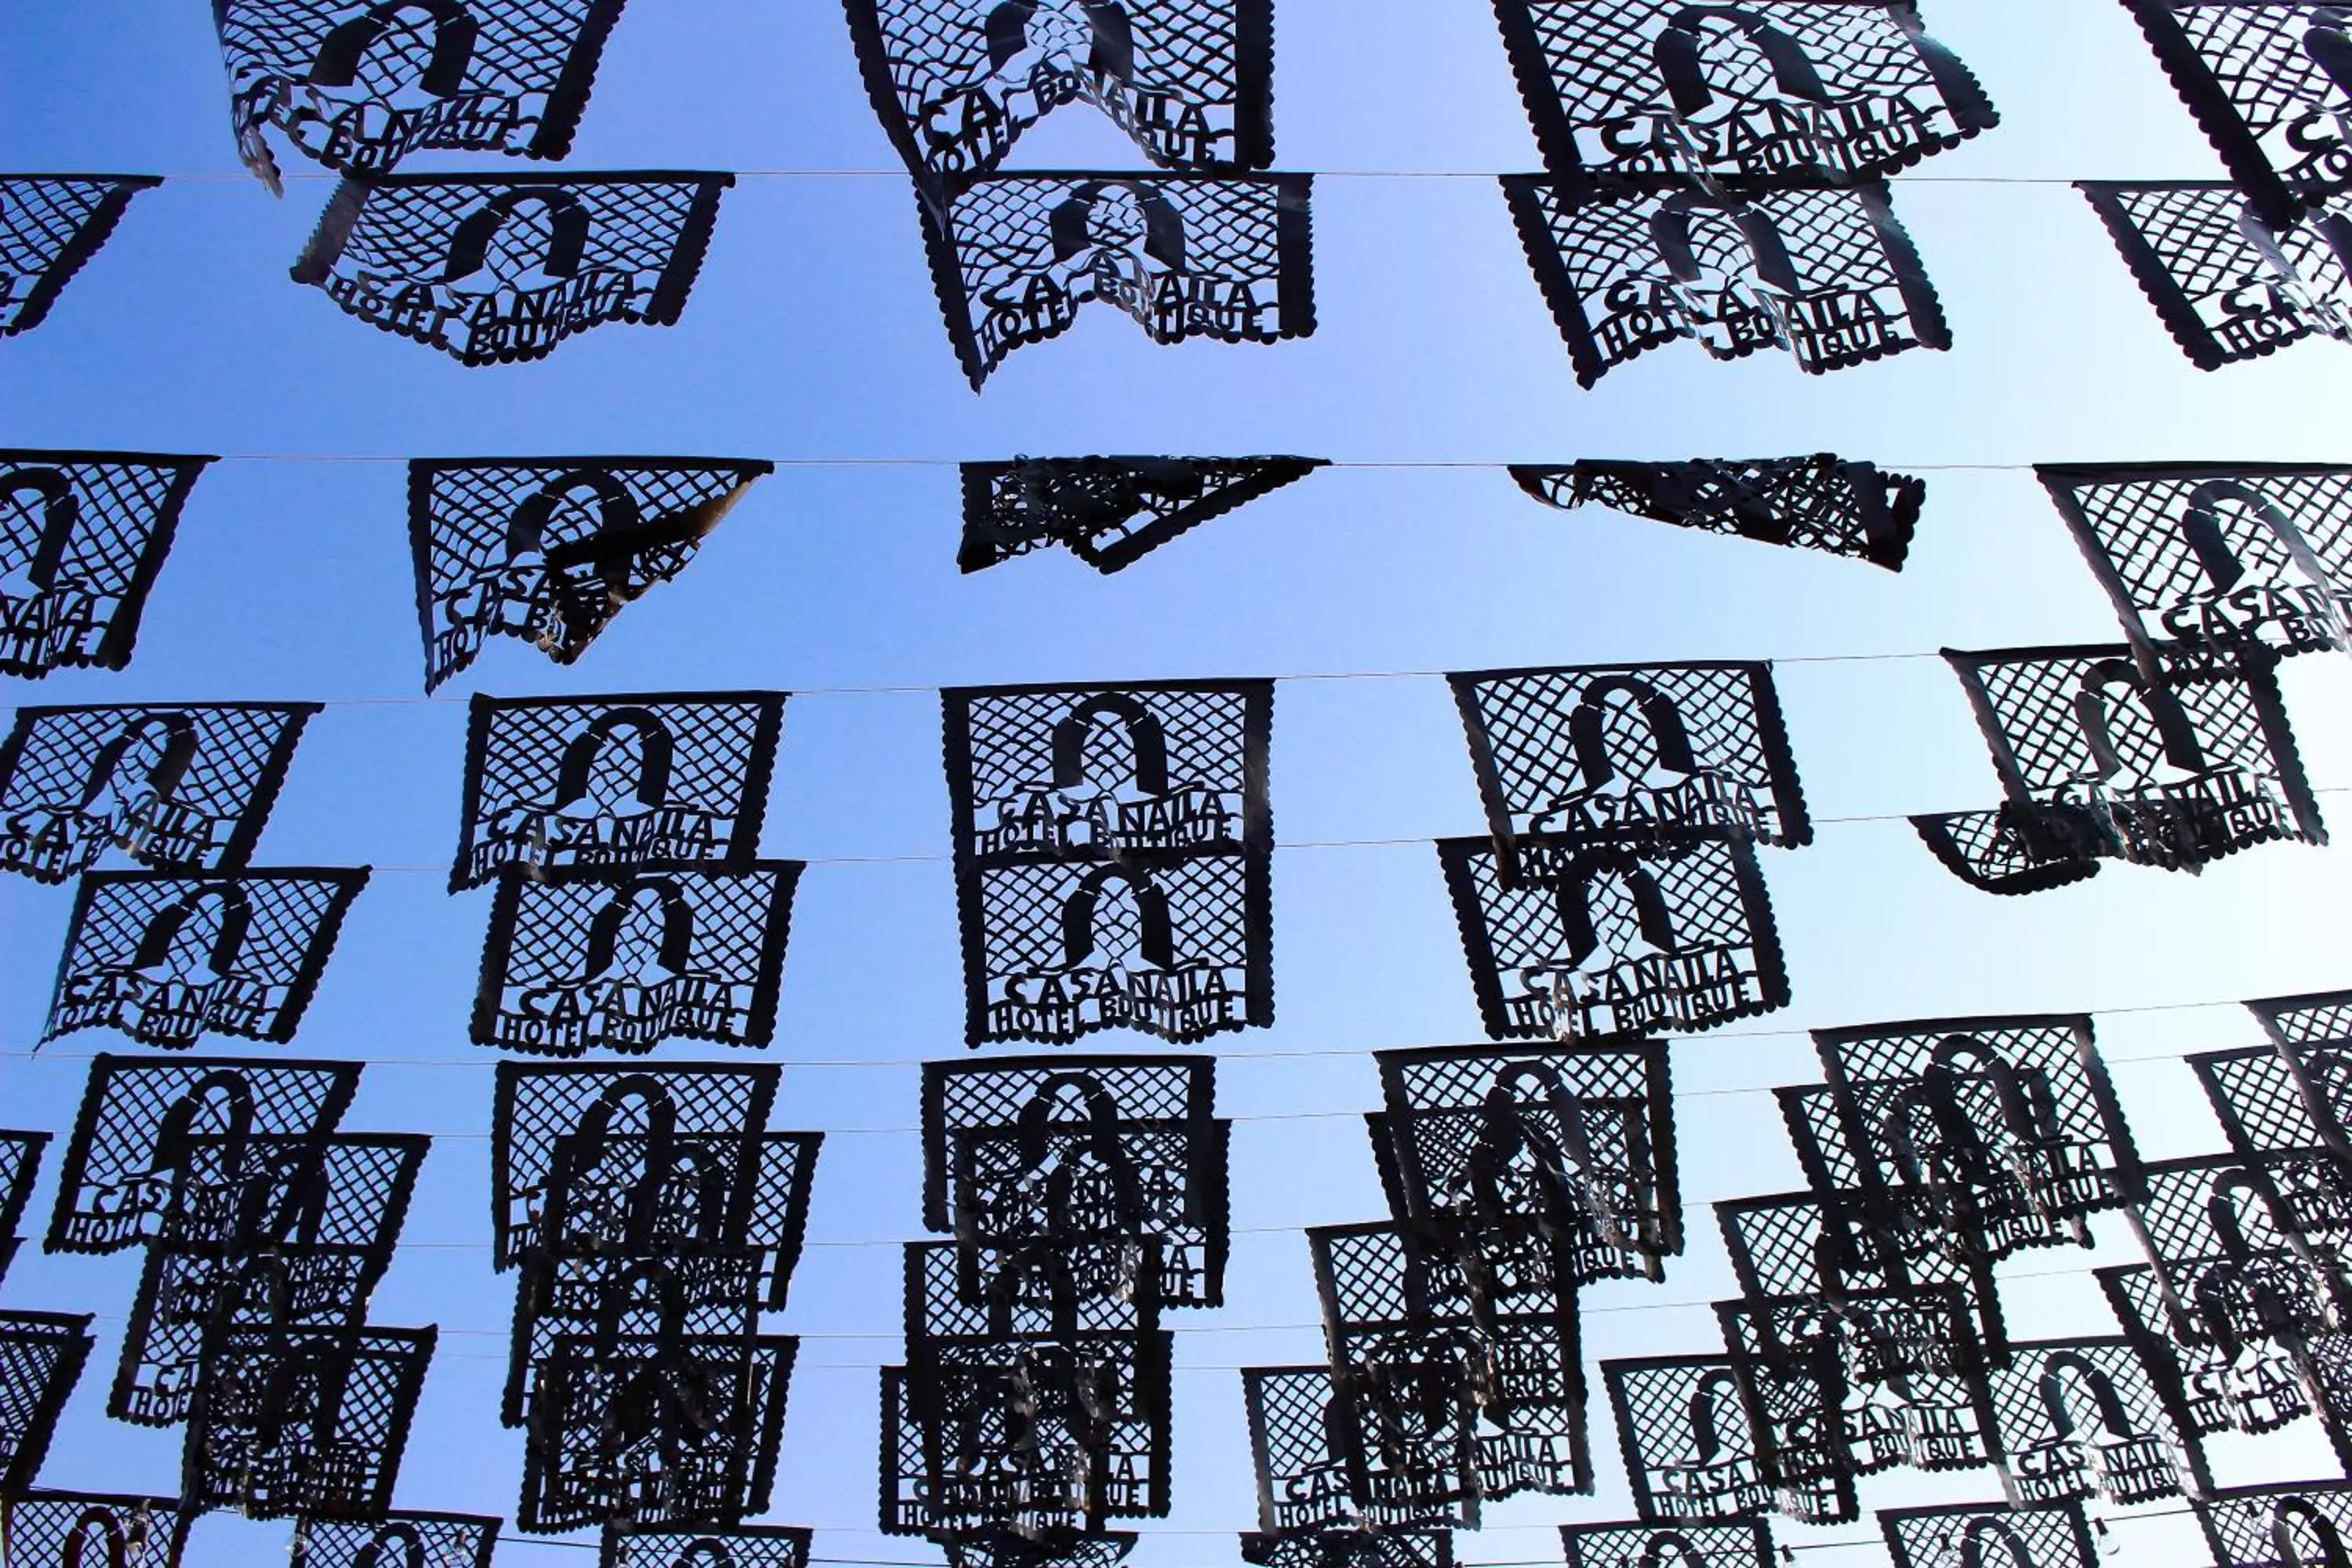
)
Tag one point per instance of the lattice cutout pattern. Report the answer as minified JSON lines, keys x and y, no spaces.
{"x":1825,"y":1244}
{"x":1190,"y":80}
{"x":549,"y":550}
{"x":614,"y":784}
{"x":181,"y":789}
{"x":67,"y":1530}
{"x":2243,"y":556}
{"x":710,"y":1299}
{"x":2085,"y":1419}
{"x":1825,"y":272}
{"x":2227,"y":285}
{"x":1108,"y":511}
{"x":577,"y":960}
{"x":1616,"y":944}
{"x":2057,"y":1537}
{"x":1565,"y":1152}
{"x":500,"y":271}
{"x":2259,"y":1389}
{"x":1688,"y":1453}
{"x":1307,"y":1478}
{"x":2258,"y":1527}
{"x":1014,"y":256}
{"x":357,"y":86}
{"x":2322,"y":1018}
{"x":640,"y":1160}
{"x":2271,"y":86}
{"x":1087,"y":1152}
{"x":2100,"y":761}
{"x":397,"y":1541}
{"x":50,"y":226}
{"x":2002,"y":851}
{"x":41,"y":1358}
{"x":1834,"y":505}
{"x":169,"y":959}
{"x":82,"y":536}
{"x":2236,"y":1265}
{"x":160,"y":1148}
{"x":1778,"y":86}
{"x":2014,"y":1112}
{"x":292,"y":1422}
{"x":1633,"y":754}
{"x":746,"y":1546}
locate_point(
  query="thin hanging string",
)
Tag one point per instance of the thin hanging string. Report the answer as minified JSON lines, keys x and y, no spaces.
{"x":1433,"y":464}
{"x":314,"y":176}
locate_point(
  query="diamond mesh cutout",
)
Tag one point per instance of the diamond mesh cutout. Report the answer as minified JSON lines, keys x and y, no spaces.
{"x":66,"y":1529}
{"x":2283,"y":1099}
{"x":2277,"y":1526}
{"x":1109,"y":512}
{"x":1613,"y":942}
{"x":1688,"y":1453}
{"x":1460,"y":1379}
{"x":1629,"y":753}
{"x":2322,"y":1018}
{"x":549,"y":550}
{"x":82,"y":537}
{"x":1738,"y":264}
{"x":2268,"y":84}
{"x":1299,"y":1445}
{"x":710,"y":1299}
{"x":1967,"y":1534}
{"x":50,"y":226}
{"x":2227,"y":285}
{"x":1563,"y":1156}
{"x":1823,"y":502}
{"x":580,"y":960}
{"x":169,"y":959}
{"x":615,"y":783}
{"x":500,"y":271}
{"x":167,"y":1148}
{"x":358,"y":86}
{"x":1080,"y":1152}
{"x":1774,"y":87}
{"x":1190,"y":80}
{"x":292,"y":1422}
{"x":2239,"y":555}
{"x":654,"y":1429}
{"x":41,"y":1357}
{"x":2014,"y":1114}
{"x":745,"y":1546}
{"x":2085,"y":1418}
{"x":1748,"y":1545}
{"x":20,"y":1164}
{"x":181,"y":789}
{"x":1825,"y":1243}
{"x":640,"y":1160}
{"x":397,"y":1541}
{"x":2259,"y":1388}
{"x":2097,"y":759}
{"x":2234,"y":1262}
{"x":1113,"y":849}
{"x":329,"y":1213}
{"x":1222,"y":257}
{"x":1351,"y":1549}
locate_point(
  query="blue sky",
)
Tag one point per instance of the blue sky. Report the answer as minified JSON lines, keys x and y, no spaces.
{"x":813,"y":335}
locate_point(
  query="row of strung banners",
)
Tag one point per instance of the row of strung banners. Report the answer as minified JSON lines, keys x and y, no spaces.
{"x":653,"y":1217}
{"x":1713,"y":173}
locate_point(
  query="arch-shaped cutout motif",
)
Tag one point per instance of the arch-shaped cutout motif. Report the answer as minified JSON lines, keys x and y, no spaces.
{"x":53,"y":492}
{"x":396,"y":1545}
{"x":165,"y":772}
{"x":455,"y":33}
{"x":567,"y":221}
{"x":97,"y":1525}
{"x":2295,"y":1520}
{"x":1653,"y":919}
{"x":675,"y":950}
{"x":1155,"y":937}
{"x":1070,"y":223}
{"x":161,"y":937}
{"x":1588,"y":728}
{"x":655,"y":748}
{"x":2013,"y":1553}
{"x":1147,"y":740}
{"x":1569,"y":1169}
{"x":1672,"y":233}
{"x":2065,"y":1372}
{"x":617,"y":510}
{"x":2094,"y":718}
{"x":1677,"y":51}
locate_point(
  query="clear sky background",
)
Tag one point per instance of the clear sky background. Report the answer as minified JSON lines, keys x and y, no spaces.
{"x":813,"y":338}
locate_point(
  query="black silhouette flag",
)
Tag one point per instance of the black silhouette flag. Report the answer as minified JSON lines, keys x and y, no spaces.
{"x":2240,"y":1259}
{"x":1836,"y":505}
{"x":1224,"y":257}
{"x":400,"y":1540}
{"x":1004,"y":1548}
{"x":179,"y":789}
{"x":2055,"y":1537}
{"x":71,"y":1529}
{"x":2227,"y":284}
{"x":169,"y":959}
{"x":1768,"y":87}
{"x":500,"y":271}
{"x":1552,"y":1160}
{"x":2254,"y":1389}
{"x":549,"y":550}
{"x":1682,"y":1431}
{"x":2277,"y":1526}
{"x":1738,"y":264}
{"x":1190,"y":80}
{"x":1616,"y":941}
{"x":1825,"y":1243}
{"x":357,"y":86}
{"x":1109,"y":512}
{"x":20,"y":1163}
{"x":2086,"y":1419}
{"x":50,"y":226}
{"x":614,"y":783}
{"x":2269,"y":84}
{"x":2101,"y":762}
{"x":41,"y":1358}
{"x":745,"y":1546}
{"x":579,"y":960}
{"x":295,"y":1423}
{"x":1742,"y":1545}
{"x":84,"y":535}
{"x":1080,"y":1154}
{"x":1113,"y":851}
{"x":1306,"y":1491}
{"x":2220,"y":557}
